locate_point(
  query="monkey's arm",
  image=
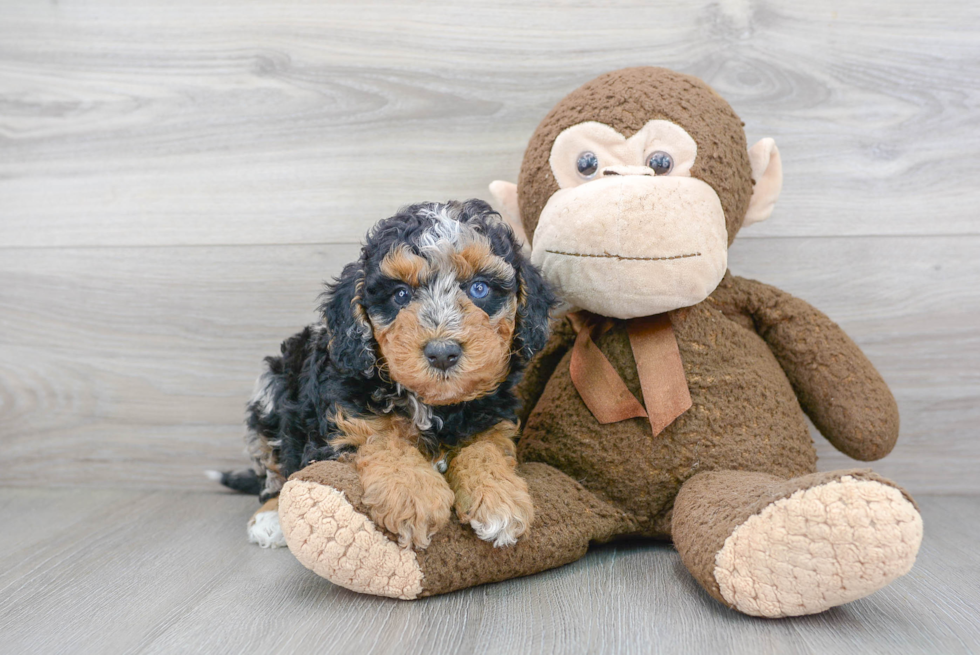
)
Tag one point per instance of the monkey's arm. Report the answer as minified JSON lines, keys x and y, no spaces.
{"x":540,"y":369}
{"x":838,"y":388}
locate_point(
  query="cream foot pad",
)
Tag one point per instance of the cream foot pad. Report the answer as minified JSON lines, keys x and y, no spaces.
{"x":819,"y":548}
{"x":329,"y":537}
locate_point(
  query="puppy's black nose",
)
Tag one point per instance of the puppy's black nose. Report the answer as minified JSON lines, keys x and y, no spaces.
{"x":442,"y":355}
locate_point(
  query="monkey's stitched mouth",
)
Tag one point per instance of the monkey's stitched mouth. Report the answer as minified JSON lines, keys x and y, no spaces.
{"x":623,"y":258}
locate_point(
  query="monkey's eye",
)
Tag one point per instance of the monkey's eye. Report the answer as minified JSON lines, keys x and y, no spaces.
{"x":660,"y":162}
{"x":479,"y":289}
{"x":401,"y":296}
{"x":587,"y":164}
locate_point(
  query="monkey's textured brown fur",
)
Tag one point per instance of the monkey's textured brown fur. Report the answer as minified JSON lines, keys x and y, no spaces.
{"x":745,"y":413}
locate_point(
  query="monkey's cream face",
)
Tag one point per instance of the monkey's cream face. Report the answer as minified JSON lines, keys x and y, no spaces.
{"x":629,"y":232}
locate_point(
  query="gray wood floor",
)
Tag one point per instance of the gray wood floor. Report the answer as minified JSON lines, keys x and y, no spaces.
{"x":109,"y":571}
{"x":178,"y":178}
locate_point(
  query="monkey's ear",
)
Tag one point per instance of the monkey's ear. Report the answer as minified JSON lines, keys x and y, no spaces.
{"x":767,"y":171}
{"x":535,"y":300}
{"x":351,"y":343}
{"x":505,"y":194}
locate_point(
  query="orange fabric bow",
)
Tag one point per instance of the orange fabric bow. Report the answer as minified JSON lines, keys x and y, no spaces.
{"x":658,"y":364}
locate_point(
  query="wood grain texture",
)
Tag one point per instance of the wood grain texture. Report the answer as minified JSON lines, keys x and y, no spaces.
{"x":177,"y":179}
{"x":188,"y":123}
{"x":131,"y":366}
{"x":166,"y":572}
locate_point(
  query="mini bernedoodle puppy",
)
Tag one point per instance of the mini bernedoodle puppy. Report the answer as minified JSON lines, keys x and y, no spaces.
{"x":411,"y":376}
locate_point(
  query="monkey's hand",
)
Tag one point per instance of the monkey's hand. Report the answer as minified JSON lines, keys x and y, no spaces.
{"x":837,"y":386}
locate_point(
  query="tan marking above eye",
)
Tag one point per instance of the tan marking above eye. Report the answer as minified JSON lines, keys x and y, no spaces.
{"x":402,"y":264}
{"x":477,"y":258}
{"x":471,"y":259}
{"x":614,"y":150}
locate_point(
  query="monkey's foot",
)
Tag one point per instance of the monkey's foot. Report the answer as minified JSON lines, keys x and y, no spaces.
{"x":819,"y":548}
{"x":800,"y":546}
{"x":327,"y":526}
{"x":329,"y":536}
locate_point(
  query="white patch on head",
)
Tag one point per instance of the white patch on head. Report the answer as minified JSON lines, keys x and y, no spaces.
{"x":264,"y":530}
{"x":440,"y":298}
{"x":446,"y":228}
{"x":439,"y":303}
{"x":446,"y":235}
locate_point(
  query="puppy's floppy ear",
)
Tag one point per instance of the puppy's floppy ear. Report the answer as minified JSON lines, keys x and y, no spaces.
{"x":535,"y":300}
{"x":351,"y":339}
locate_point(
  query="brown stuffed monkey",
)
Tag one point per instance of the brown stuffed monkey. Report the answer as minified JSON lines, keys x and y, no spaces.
{"x":671,"y":401}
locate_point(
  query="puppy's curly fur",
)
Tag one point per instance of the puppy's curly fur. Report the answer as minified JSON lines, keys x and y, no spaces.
{"x":413,"y":366}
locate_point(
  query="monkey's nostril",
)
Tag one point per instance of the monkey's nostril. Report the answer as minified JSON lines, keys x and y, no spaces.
{"x":442,"y":355}
{"x":609,"y":172}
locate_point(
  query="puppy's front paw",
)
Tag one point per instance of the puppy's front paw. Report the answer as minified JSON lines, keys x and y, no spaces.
{"x":498,"y":508}
{"x":263,"y":527}
{"x":413,"y":503}
{"x":264,"y":530}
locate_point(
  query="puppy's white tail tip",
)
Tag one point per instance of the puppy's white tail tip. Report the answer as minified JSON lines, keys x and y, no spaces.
{"x":213,"y":475}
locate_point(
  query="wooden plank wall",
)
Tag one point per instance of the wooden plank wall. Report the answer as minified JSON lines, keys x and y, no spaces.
{"x":178,"y":178}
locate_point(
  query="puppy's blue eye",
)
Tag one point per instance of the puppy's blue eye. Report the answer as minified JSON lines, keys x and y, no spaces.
{"x":402,"y":295}
{"x":479,"y":290}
